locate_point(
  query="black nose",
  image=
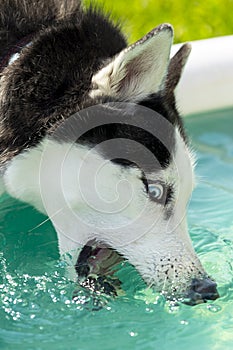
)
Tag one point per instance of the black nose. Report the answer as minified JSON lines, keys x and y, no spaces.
{"x":201,"y":290}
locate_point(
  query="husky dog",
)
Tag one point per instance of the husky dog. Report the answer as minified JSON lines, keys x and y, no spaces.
{"x":90,"y":135}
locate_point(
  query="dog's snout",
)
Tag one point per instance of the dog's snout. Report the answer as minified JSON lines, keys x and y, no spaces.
{"x":202,"y":290}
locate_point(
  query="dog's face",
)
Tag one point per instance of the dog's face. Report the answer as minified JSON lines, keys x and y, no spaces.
{"x":149,"y":201}
{"x":124,"y":180}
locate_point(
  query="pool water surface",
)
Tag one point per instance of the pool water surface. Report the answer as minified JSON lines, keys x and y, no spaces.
{"x":36,"y":309}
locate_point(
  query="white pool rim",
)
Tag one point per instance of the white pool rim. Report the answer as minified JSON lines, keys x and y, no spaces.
{"x":207,"y":81}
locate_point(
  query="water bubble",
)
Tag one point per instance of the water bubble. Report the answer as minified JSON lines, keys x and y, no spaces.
{"x":214,"y":308}
{"x":149,"y":310}
{"x":133,"y":334}
{"x":184,"y":322}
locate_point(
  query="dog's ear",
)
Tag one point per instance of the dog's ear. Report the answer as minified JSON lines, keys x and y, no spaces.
{"x":139,"y":70}
{"x":175,"y":68}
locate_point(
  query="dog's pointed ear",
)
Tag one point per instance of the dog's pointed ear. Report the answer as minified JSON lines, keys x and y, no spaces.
{"x":176,"y":67}
{"x":139,"y":70}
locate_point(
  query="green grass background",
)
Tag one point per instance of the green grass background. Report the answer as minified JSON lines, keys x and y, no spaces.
{"x":191,"y":19}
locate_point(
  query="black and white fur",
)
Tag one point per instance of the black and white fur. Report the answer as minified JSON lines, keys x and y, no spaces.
{"x":72,"y":59}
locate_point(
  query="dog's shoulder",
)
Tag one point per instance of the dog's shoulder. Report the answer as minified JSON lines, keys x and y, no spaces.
{"x":64,"y":45}
{"x":20,"y":19}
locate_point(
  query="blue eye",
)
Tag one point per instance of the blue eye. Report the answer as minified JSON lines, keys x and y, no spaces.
{"x":156,"y":191}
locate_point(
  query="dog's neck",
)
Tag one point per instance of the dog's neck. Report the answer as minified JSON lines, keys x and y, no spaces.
{"x":14,"y":51}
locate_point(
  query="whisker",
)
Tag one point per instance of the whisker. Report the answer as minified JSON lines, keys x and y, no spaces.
{"x":150,"y":285}
{"x":46,"y":220}
{"x":164,"y":283}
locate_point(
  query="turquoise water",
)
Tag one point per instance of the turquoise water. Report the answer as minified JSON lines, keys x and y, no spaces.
{"x":36,"y":311}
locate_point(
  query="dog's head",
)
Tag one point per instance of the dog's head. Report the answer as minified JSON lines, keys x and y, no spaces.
{"x":157,"y":164}
{"x":127,"y":148}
